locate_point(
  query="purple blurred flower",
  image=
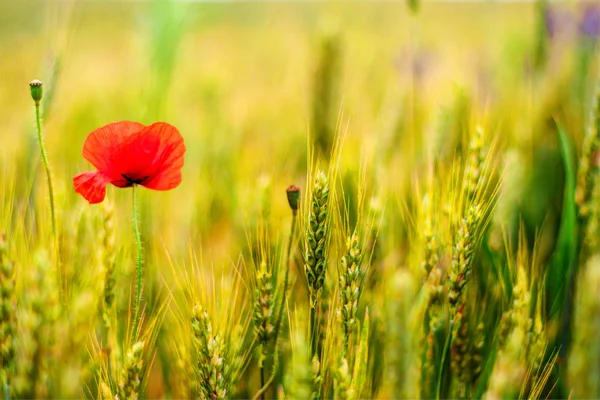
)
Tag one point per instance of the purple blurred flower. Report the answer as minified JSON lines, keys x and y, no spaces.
{"x":416,"y":64}
{"x":551,"y":21}
{"x":557,"y":20}
{"x":590,"y":21}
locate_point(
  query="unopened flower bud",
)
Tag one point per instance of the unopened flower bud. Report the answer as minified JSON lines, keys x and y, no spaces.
{"x":36,"y":90}
{"x":293,"y":196}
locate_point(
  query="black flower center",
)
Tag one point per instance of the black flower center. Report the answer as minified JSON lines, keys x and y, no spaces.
{"x":134,"y":181}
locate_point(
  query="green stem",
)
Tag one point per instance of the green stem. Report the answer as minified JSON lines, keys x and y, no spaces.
{"x":345,"y":342}
{"x":287,"y":274}
{"x":7,"y":390}
{"x":442,"y":364}
{"x":106,"y":347}
{"x":262,"y":370}
{"x":313,"y":328}
{"x":138,"y":287}
{"x":38,"y":121}
{"x":266,"y":386}
{"x":38,"y":124}
{"x":289,"y":250}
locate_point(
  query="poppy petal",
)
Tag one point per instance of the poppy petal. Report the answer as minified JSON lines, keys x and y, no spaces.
{"x":152,"y":157}
{"x":166,"y":180}
{"x":170,"y":159}
{"x":91,"y":185}
{"x":103,"y":145}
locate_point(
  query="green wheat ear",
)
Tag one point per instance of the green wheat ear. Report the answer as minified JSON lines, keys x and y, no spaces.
{"x":518,"y":369}
{"x":467,"y":344}
{"x":588,"y":162}
{"x":350,"y":382}
{"x":104,"y":391}
{"x":212,"y":357}
{"x":264,"y":317}
{"x":37,"y":315}
{"x":317,"y":238}
{"x":587,"y":193}
{"x":463,"y":252}
{"x":474,"y":216}
{"x":509,"y":372}
{"x":351,"y":282}
{"x":8,"y":317}
{"x":430,"y":237}
{"x":584,"y":358}
{"x":316,"y":256}
{"x":264,"y":324}
{"x":475,"y":179}
{"x":131,"y":375}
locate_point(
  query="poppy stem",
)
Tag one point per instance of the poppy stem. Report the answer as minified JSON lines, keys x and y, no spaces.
{"x":287,"y":274}
{"x":38,"y":124}
{"x":138,"y":287}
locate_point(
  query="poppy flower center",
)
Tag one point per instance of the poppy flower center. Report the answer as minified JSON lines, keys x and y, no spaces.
{"x":132,"y":181}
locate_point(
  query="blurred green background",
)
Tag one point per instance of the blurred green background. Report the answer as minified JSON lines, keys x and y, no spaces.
{"x":240,"y":82}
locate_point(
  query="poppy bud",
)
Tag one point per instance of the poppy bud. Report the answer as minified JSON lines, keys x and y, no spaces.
{"x":293,"y":196}
{"x":36,"y":90}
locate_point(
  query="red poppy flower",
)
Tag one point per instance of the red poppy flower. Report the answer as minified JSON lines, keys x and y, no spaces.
{"x":128,"y":153}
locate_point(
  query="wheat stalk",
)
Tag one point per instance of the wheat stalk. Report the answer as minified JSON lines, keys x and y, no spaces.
{"x":584,"y":358}
{"x":351,"y":280}
{"x":8,"y":317}
{"x":317,"y":241}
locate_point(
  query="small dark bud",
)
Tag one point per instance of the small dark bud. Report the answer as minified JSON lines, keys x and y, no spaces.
{"x":293,"y":196}
{"x":36,"y":90}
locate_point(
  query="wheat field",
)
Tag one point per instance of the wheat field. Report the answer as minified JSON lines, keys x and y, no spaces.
{"x":378,"y":200}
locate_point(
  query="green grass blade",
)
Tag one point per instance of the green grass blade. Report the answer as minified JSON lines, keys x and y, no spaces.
{"x":564,"y":257}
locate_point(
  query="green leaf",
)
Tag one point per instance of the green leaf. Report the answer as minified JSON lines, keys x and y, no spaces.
{"x":482,"y":382}
{"x":564,"y":257}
